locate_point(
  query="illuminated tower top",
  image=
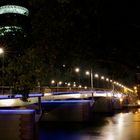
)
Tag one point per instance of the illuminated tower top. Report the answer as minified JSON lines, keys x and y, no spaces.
{"x":15,"y":9}
{"x":14,"y":16}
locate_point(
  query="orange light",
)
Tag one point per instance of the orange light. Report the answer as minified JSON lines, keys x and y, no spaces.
{"x":121,"y":99}
{"x":138,"y":102}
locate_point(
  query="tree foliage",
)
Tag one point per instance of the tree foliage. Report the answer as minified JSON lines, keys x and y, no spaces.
{"x":24,"y":72}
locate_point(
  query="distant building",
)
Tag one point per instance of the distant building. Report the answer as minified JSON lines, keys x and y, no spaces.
{"x":14,"y":15}
{"x":14,"y":22}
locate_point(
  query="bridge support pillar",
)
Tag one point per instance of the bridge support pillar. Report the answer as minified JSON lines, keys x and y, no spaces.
{"x":107,"y":104}
{"x":17,"y":125}
{"x":67,"y":110}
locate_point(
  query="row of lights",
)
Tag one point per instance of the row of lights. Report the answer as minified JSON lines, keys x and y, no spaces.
{"x":80,"y":86}
{"x":96,"y":76}
{"x":68,"y":84}
{"x":107,"y":79}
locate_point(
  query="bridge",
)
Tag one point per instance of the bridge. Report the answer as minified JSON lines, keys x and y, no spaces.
{"x":9,"y":100}
{"x":82,"y":98}
{"x":77,"y":105}
{"x":96,"y":100}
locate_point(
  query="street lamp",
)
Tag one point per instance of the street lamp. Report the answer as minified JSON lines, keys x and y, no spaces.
{"x":77,"y":70}
{"x":68,"y":84}
{"x":97,"y":79}
{"x":96,"y":75}
{"x":2,"y":53}
{"x":87,"y":73}
{"x":91,"y":77}
{"x":74,"y":85}
{"x":80,"y":86}
{"x":60,"y":83}
{"x":53,"y":82}
{"x":102,"y":77}
{"x":107,"y":79}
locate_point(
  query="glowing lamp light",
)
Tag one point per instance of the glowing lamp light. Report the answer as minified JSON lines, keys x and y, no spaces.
{"x":85,"y":87}
{"x":77,"y":70}
{"x":60,"y":83}
{"x":74,"y":85}
{"x":117,"y":83}
{"x":107,"y":79}
{"x":52,"y":82}
{"x":102,"y":77}
{"x":1,"y":51}
{"x":96,"y":75}
{"x":121,"y":99}
{"x":87,"y":73}
{"x":64,"y":65}
{"x":138,"y":102}
{"x":135,"y":88}
{"x":69,"y":84}
{"x":120,"y":85}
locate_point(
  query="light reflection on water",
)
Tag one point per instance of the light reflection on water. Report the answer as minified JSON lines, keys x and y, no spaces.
{"x":120,"y":126}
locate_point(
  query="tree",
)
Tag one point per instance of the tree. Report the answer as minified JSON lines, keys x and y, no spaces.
{"x":24,"y":72}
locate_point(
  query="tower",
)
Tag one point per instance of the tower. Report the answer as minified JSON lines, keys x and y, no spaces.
{"x":14,"y":24}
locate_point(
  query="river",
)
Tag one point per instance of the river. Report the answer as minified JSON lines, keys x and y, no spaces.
{"x":123,"y":125}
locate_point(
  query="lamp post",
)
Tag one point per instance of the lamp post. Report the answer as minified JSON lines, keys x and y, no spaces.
{"x":57,"y":84}
{"x":91,"y":77}
{"x":77,"y":70}
{"x":2,"y":53}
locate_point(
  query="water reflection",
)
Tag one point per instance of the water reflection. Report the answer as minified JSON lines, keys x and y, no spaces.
{"x":120,"y":126}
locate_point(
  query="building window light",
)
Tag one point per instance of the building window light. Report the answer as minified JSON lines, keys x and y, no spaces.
{"x":8,"y":29}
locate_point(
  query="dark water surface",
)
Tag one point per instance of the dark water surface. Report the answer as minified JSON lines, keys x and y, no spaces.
{"x":124,"y":125}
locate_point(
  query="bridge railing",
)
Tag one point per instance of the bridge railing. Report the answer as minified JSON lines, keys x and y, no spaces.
{"x":6,"y":90}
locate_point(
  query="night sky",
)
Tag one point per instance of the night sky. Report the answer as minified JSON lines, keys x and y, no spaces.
{"x":104,"y":35}
{"x":121,"y":30}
